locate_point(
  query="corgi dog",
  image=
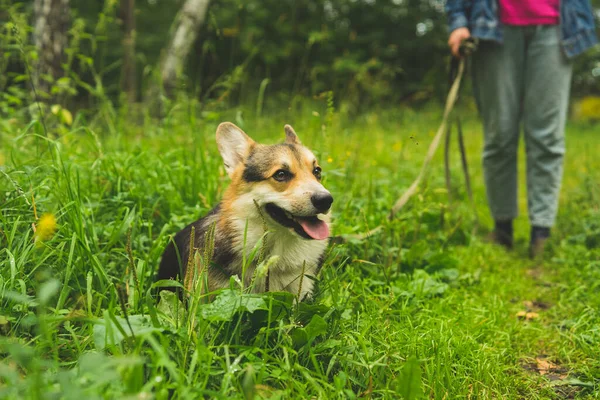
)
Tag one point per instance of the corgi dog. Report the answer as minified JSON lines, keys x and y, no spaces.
{"x":275,"y":196}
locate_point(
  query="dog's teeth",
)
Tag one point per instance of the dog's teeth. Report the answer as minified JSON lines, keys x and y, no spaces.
{"x":322,"y":217}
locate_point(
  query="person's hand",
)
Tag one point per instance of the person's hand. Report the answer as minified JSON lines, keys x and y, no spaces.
{"x":456,"y":38}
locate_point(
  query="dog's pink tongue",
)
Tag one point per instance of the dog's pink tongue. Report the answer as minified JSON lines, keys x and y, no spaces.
{"x":315,"y":228}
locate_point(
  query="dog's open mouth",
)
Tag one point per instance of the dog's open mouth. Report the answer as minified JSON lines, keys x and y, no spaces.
{"x":309,"y":227}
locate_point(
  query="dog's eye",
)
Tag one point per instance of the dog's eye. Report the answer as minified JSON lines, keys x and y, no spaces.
{"x":317,"y":172}
{"x":282,"y":175}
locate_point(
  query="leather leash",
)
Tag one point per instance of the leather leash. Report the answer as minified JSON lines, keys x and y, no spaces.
{"x":467,"y":48}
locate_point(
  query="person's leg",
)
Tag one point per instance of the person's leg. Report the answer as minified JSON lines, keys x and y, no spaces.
{"x":498,"y":76}
{"x":547,"y":87}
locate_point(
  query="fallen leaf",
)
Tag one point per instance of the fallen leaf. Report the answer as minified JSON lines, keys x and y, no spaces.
{"x":527,"y":316}
{"x":553,"y":377}
{"x":544,"y":366}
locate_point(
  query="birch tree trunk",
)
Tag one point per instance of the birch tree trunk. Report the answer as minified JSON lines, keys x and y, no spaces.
{"x":128,"y":72}
{"x":186,"y":28}
{"x":50,"y":37}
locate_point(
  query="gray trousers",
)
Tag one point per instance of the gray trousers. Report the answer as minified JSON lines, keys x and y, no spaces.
{"x":525,"y":79}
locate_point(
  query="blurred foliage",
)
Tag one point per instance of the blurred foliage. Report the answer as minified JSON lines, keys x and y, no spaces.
{"x":588,"y":108}
{"x":366,"y":52}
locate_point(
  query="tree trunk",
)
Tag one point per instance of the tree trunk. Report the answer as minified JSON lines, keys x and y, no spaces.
{"x":50,"y":37}
{"x":186,"y":28}
{"x":128,"y":73}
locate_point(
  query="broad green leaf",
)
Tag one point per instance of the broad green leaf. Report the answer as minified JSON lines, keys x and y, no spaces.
{"x":171,"y":308}
{"x":448,"y":275}
{"x":306,"y":311}
{"x":107,"y":333}
{"x":228,"y":302}
{"x":409,"y":381}
{"x":316,"y":327}
{"x":424,"y":285}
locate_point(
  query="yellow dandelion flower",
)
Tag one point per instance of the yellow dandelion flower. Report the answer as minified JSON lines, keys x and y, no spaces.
{"x":329,"y":159}
{"x":46,"y":227}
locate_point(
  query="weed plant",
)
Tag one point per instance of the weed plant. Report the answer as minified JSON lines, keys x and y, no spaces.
{"x":425,"y":308}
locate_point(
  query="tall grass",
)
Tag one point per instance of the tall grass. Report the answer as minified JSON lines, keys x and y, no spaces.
{"x":424,"y":309}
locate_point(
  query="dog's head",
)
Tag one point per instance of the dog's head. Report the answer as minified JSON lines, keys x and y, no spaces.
{"x":284,"y":180}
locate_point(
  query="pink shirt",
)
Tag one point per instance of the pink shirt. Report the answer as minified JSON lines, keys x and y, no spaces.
{"x":529,"y":12}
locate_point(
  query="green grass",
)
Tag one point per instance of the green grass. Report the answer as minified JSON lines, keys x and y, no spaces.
{"x":424,"y":309}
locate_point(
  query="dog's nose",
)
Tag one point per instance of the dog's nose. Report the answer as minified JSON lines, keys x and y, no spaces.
{"x":322,"y":201}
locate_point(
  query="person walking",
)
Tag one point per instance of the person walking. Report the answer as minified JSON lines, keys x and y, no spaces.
{"x":521,"y":75}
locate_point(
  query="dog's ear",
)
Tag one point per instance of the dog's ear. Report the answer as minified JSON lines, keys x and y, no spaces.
{"x":290,"y":135}
{"x":234,"y":145}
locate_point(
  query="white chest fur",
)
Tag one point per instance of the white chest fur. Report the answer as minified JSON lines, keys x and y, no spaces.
{"x":296,"y":258}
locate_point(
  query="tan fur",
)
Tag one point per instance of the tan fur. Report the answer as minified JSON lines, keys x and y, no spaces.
{"x":239,"y":215}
